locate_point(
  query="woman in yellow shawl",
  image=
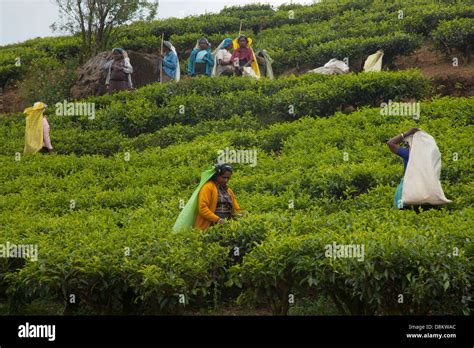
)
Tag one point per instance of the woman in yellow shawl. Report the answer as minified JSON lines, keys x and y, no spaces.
{"x":244,"y":59}
{"x":37,"y":130}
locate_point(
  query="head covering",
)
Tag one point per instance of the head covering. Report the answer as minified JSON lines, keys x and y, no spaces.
{"x":236,"y":41}
{"x":268,"y":63}
{"x":204,"y":40}
{"x":121,"y":51}
{"x":38,"y":106}
{"x":227,"y":42}
{"x":167,"y":44}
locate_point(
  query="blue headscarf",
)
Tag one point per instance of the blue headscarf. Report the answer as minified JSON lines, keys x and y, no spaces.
{"x":227,"y":42}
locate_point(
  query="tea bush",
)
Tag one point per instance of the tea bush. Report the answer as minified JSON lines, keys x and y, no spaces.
{"x":159,"y":112}
{"x":102,"y":208}
{"x":102,"y":224}
{"x":455,"y":35}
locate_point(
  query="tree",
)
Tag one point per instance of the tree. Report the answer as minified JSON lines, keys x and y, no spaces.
{"x":96,"y":20}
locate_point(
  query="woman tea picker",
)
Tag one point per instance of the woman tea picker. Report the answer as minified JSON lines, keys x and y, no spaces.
{"x":211,"y":203}
{"x":37,"y":130}
{"x":119,"y":71}
{"x":222,"y":59}
{"x":243,"y":58}
{"x":420,"y":184}
{"x":201,"y":61}
{"x":169,"y":59}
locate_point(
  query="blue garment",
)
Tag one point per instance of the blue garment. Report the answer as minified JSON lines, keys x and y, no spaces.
{"x":200,"y":56}
{"x":397,"y":199}
{"x":405,"y":154}
{"x":208,"y":59}
{"x":170,"y":64}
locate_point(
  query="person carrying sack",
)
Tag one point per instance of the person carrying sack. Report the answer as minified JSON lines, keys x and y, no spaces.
{"x":212,"y":202}
{"x":37,"y":130}
{"x":420,"y":184}
{"x":403,"y":152}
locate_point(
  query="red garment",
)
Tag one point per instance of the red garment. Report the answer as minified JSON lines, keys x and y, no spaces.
{"x":242,"y":54}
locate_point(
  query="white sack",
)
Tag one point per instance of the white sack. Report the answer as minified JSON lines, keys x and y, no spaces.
{"x":374,"y":62}
{"x":334,"y":66}
{"x":248,"y":71}
{"x":421,"y":183}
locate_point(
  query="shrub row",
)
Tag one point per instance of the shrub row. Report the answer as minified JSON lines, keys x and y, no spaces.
{"x":159,"y":112}
{"x":114,"y":252}
{"x":455,"y":35}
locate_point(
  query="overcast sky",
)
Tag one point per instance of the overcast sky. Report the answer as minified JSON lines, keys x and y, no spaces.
{"x":25,"y":19}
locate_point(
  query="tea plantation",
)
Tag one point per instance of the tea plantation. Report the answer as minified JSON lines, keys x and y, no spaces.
{"x":101,"y":208}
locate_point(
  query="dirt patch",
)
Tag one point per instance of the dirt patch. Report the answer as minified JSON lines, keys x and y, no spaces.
{"x":11,"y":100}
{"x":446,"y":78}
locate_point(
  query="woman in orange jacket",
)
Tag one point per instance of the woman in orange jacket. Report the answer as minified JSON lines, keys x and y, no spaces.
{"x":216,"y":201}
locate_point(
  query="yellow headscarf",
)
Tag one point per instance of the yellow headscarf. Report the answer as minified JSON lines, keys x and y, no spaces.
{"x":34,"y":128}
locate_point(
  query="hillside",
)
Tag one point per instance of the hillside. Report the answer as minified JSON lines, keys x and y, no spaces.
{"x":297,"y":37}
{"x":101,"y":208}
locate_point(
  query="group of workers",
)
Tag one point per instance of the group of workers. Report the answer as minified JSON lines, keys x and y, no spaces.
{"x":203,"y":62}
{"x":231,"y":57}
{"x":215,"y":201}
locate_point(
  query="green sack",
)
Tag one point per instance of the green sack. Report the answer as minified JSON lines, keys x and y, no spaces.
{"x":187,"y":217}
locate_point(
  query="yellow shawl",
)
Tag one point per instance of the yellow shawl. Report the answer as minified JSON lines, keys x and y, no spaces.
{"x":34,"y":128}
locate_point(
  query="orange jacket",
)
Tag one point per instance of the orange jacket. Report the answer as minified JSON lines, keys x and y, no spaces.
{"x":207,"y":204}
